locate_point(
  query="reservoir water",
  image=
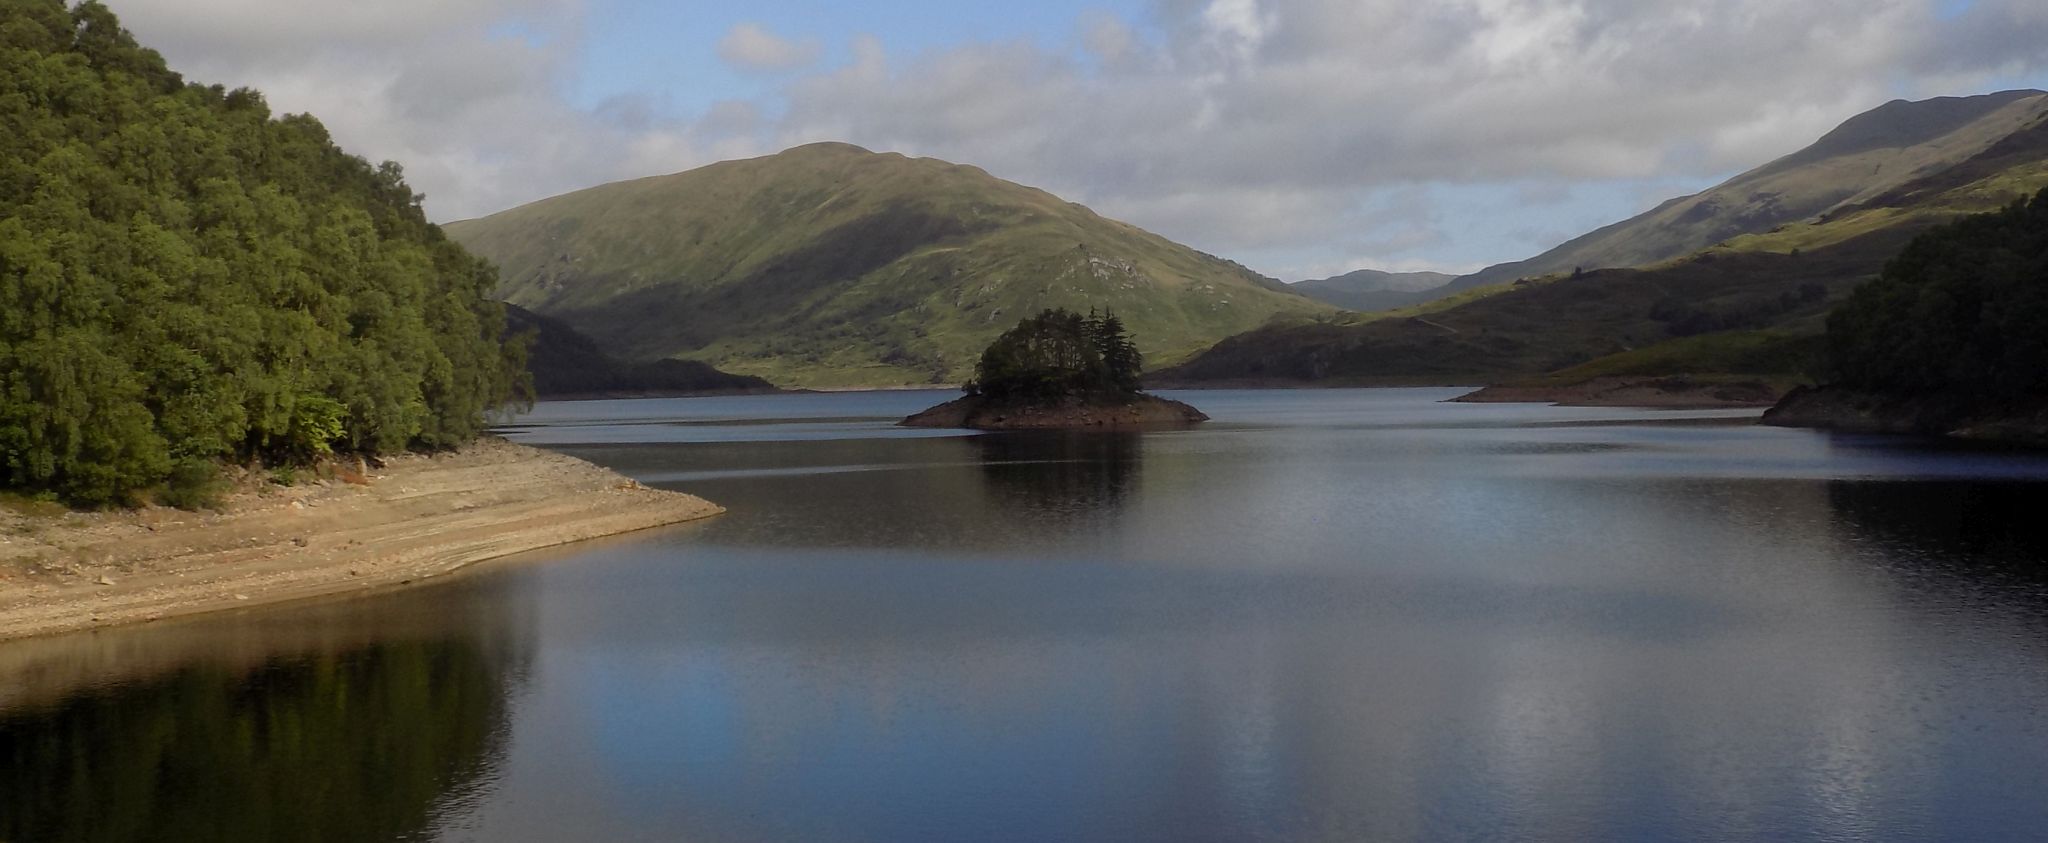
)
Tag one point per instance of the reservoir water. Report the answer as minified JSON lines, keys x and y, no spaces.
{"x":1326,"y":615}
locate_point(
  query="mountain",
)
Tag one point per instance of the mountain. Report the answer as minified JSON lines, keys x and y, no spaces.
{"x":1864,"y":158}
{"x":1754,"y":304}
{"x":567,"y":364}
{"x":829,"y":265}
{"x":1371,"y":289}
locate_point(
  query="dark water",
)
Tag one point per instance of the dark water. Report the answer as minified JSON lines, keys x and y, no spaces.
{"x":1326,"y":616}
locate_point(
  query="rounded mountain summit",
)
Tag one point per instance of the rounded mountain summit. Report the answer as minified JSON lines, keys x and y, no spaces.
{"x":832,"y":266}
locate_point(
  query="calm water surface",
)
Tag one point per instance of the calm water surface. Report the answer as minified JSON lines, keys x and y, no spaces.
{"x":1332,"y":615}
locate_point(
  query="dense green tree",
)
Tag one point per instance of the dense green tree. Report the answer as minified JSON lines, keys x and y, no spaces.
{"x":1059,"y":353}
{"x":1121,"y":361}
{"x":185,"y":278}
{"x":1962,"y":312}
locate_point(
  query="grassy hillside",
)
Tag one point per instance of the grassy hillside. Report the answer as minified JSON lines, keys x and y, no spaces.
{"x":828,"y":265}
{"x":1753,"y":305}
{"x":1535,"y":328}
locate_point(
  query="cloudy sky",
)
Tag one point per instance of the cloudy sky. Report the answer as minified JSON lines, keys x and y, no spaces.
{"x":1301,"y":137}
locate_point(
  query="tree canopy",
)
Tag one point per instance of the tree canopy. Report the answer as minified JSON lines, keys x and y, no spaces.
{"x":1057,"y":354}
{"x":1961,"y":312}
{"x":186,"y":279}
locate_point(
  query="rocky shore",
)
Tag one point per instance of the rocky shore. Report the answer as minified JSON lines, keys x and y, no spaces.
{"x":979,"y":413}
{"x":415,"y":518}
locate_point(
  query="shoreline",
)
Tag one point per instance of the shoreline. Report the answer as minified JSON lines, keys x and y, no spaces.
{"x":420,"y":517}
{"x":1651,"y":393}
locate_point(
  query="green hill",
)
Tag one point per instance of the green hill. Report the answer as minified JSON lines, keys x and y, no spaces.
{"x":1753,"y":304}
{"x":186,"y":279}
{"x":829,"y":265}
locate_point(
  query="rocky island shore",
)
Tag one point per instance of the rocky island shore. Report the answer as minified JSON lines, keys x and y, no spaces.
{"x":416,"y":518}
{"x":979,"y":413}
{"x":1059,"y":370}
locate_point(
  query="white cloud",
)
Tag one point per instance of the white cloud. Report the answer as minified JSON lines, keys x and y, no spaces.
{"x":751,"y":47}
{"x":1298,"y":131}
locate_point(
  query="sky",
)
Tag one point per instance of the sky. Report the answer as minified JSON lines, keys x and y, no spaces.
{"x":1303,"y":138}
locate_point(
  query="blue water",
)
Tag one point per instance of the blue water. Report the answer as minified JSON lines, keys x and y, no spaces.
{"x":1326,"y":615}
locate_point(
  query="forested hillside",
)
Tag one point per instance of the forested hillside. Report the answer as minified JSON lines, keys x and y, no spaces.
{"x":1949,"y":340}
{"x":186,"y":279}
{"x":1962,"y":312}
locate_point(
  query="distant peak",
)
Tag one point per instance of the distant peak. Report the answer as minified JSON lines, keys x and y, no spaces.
{"x":1901,"y":123}
{"x":827,"y":148}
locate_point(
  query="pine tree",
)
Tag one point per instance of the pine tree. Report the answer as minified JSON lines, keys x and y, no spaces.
{"x":1059,"y":354}
{"x":1119,"y":354}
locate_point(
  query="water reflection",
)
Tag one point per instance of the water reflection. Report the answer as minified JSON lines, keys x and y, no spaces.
{"x":1327,"y":616}
{"x":316,"y":726}
{"x":1991,"y":527}
{"x":1054,"y":475}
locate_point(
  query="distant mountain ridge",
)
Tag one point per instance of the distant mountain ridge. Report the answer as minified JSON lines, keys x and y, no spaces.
{"x":1753,"y":303}
{"x":830,"y":265}
{"x":1863,"y":158}
{"x":1372,"y":289}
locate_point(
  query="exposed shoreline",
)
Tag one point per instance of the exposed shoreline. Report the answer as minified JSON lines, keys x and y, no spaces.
{"x":1659,"y":393}
{"x":417,"y":518}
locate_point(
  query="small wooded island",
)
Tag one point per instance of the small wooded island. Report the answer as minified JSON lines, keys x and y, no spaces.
{"x":1059,"y":370}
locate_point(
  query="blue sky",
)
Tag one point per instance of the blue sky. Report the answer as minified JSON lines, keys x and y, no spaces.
{"x":1300,"y":137}
{"x":638,"y":46}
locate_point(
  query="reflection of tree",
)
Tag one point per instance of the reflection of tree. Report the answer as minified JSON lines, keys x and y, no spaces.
{"x":358,"y":745}
{"x":1061,"y":472}
{"x":1965,"y":525}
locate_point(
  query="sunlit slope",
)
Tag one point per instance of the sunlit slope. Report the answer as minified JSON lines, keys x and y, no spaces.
{"x":829,"y":265}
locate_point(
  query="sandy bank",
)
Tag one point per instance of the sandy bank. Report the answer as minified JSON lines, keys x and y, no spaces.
{"x":417,"y":517}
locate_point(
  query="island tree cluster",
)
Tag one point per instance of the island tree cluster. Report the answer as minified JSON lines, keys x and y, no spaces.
{"x":1961,"y":313}
{"x":1059,"y":354}
{"x":186,"y":279}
